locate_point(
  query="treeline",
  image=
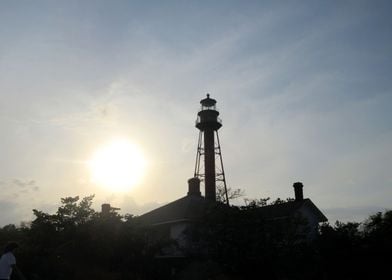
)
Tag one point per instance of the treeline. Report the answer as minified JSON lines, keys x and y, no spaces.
{"x":77,"y":242}
{"x":238,"y":244}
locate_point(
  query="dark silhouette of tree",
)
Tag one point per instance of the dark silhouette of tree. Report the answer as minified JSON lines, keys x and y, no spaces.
{"x":241,"y":243}
{"x":260,"y":202}
{"x":238,"y":242}
{"x":357,"y":250}
{"x":77,"y":242}
{"x":231,"y":193}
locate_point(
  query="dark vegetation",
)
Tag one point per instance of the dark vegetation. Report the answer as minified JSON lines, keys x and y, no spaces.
{"x":227,"y":243}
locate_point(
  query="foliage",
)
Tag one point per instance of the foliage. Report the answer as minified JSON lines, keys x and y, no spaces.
{"x":261,"y":202}
{"x":231,"y":193}
{"x":357,"y":250}
{"x":242,"y":244}
{"x":77,"y":242}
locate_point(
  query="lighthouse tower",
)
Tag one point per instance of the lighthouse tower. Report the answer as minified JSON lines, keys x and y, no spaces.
{"x":208,"y":148}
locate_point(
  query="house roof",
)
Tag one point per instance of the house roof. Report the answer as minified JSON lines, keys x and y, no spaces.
{"x":186,"y":208}
{"x":191,"y":207}
{"x":287,"y":209}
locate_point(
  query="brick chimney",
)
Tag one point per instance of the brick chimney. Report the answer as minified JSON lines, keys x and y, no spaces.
{"x":194,"y":186}
{"x":299,"y":195}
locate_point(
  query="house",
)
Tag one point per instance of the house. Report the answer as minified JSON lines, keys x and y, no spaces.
{"x":172,"y":219}
{"x":302,"y":209}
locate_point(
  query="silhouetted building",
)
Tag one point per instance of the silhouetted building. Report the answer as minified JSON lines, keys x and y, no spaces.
{"x":300,"y":209}
{"x":174,"y":218}
{"x":208,"y":147}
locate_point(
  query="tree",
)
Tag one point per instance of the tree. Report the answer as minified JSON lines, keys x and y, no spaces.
{"x":242,"y":243}
{"x":78,"y":243}
{"x":261,"y":202}
{"x":72,"y":213}
{"x":231,"y":194}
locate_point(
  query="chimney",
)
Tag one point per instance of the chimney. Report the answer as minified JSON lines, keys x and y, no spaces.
{"x":299,"y":195}
{"x":194,"y":186}
{"x":105,"y":208}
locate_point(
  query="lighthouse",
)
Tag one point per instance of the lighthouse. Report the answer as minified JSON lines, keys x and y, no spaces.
{"x":209,"y":150}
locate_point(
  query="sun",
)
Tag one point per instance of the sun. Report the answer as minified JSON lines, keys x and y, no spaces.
{"x":118,"y":166}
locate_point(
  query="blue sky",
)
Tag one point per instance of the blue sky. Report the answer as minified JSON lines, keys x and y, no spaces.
{"x":303,"y":87}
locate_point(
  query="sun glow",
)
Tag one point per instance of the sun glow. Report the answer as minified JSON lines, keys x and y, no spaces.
{"x":118,"y":166}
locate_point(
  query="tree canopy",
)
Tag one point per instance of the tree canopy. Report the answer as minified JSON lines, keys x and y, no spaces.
{"x":77,"y":242}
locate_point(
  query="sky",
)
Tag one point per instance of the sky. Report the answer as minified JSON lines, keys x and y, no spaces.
{"x":303,"y":89}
